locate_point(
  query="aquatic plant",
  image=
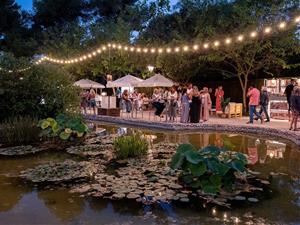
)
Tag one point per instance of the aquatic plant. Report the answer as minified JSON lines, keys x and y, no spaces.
{"x":130,"y":146}
{"x":19,"y":131}
{"x":65,"y":127}
{"x":210,"y":168}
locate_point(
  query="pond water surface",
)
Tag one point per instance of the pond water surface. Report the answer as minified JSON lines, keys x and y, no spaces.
{"x":21,"y":203}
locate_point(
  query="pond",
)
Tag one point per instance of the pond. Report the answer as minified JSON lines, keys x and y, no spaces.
{"x":21,"y":203}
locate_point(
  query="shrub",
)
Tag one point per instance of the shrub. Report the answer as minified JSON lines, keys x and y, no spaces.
{"x":65,"y":127}
{"x":210,"y":168}
{"x":41,"y":92}
{"x":130,"y":146}
{"x":19,"y":131}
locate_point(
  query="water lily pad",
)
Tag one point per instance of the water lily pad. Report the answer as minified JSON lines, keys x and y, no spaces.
{"x":20,"y":150}
{"x":254,"y":200}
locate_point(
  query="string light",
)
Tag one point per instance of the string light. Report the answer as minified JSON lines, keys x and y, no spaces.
{"x":159,"y":50}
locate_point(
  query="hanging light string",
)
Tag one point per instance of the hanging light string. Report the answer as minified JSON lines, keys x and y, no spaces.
{"x":216,"y":44}
{"x":15,"y":71}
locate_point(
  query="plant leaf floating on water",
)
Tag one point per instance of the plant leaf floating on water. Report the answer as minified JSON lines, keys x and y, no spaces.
{"x":20,"y":150}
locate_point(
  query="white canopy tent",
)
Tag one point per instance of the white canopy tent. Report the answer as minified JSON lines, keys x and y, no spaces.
{"x":86,"y":83}
{"x":157,"y":80}
{"x":126,"y":81}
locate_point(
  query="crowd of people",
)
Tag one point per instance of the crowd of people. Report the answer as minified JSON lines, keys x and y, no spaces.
{"x":194,"y":105}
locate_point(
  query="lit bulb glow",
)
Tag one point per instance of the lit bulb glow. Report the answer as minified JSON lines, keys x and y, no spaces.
{"x":268,"y":30}
{"x":282,"y":25}
{"x":228,"y":41}
{"x":205,"y":46}
{"x":216,"y":43}
{"x":240,"y":38}
{"x":253,"y":34}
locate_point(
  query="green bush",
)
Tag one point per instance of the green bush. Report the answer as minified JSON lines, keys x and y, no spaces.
{"x":19,"y":131}
{"x":41,"y":92}
{"x":130,"y":146}
{"x":210,"y":168}
{"x":63,"y":126}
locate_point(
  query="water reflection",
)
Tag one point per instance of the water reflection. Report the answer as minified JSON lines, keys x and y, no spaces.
{"x":273,"y":158}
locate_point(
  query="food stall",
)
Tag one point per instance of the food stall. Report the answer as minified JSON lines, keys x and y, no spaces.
{"x":278,"y":106}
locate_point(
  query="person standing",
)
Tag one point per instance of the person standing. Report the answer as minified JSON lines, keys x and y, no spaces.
{"x":295,"y":107}
{"x":254,"y":96}
{"x":84,"y":100}
{"x":158,"y":102}
{"x":219,"y":93}
{"x":126,"y":101}
{"x":205,"y":104}
{"x":92,"y":100}
{"x":264,"y":102}
{"x":288,"y":92}
{"x":195,"y":106}
{"x":172,"y":99}
{"x":185,"y":106}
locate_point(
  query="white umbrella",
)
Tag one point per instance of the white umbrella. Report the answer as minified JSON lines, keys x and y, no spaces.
{"x":157,"y":80}
{"x":86,"y":83}
{"x":127,"y":81}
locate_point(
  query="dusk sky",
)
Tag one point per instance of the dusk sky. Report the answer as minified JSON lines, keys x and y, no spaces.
{"x":27,"y":4}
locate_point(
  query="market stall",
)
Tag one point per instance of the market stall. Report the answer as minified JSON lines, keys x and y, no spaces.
{"x":278,"y":106}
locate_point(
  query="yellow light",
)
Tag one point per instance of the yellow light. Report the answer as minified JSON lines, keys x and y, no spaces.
{"x":89,"y":55}
{"x":132,"y":49}
{"x":168,"y":50}
{"x":126,"y":48}
{"x":205,"y":46}
{"x":113,"y":45}
{"x":185,"y":48}
{"x":152,"y":50}
{"x":282,"y":25}
{"x":109,"y":45}
{"x":119,"y":46}
{"x":84,"y":57}
{"x":268,"y":30}
{"x":80,"y":59}
{"x":103,"y":48}
{"x":72,"y":61}
{"x":228,"y":41}
{"x":160,"y":50}
{"x":99,"y":50}
{"x":61,"y":61}
{"x":240,"y":38}
{"x":76,"y":60}
{"x":177,"y":49}
{"x":138,"y":49}
{"x":145,"y":50}
{"x":253,"y":34}
{"x":195,"y":47}
{"x":297,"y":20}
{"x":94,"y":53}
{"x":216,"y":43}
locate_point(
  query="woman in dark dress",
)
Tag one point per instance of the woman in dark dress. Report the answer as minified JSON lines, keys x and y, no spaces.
{"x":195,"y":106}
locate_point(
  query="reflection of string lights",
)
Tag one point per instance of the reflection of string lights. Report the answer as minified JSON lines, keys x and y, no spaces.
{"x":214,"y":211}
{"x":185,"y":48}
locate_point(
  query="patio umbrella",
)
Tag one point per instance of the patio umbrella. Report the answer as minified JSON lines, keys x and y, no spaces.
{"x":127,"y":81}
{"x":157,"y":80}
{"x":86,"y":83}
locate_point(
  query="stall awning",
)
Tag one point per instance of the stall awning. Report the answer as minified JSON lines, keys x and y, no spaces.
{"x":157,"y":80}
{"x":126,"y":81}
{"x":86,"y":83}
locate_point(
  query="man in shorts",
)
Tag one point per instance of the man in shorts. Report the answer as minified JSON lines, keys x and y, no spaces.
{"x":288,"y":92}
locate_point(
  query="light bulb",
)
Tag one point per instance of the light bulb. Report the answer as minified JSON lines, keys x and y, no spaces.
{"x":268,"y":30}
{"x":90,"y":55}
{"x":168,"y":50}
{"x":119,"y":46}
{"x":228,"y":41}
{"x":216,"y":43}
{"x":145,"y":50}
{"x":84,"y":57}
{"x":160,"y":50}
{"x":132,"y":49}
{"x":94,"y":53}
{"x":138,"y":50}
{"x":177,"y":49}
{"x":109,"y":45}
{"x":297,"y":20}
{"x":126,"y":48}
{"x":185,"y":48}
{"x":205,"y":46}
{"x":103,"y":48}
{"x":113,"y":46}
{"x":152,"y":50}
{"x":282,"y":25}
{"x":195,"y":47}
{"x":253,"y":34}
{"x":240,"y":38}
